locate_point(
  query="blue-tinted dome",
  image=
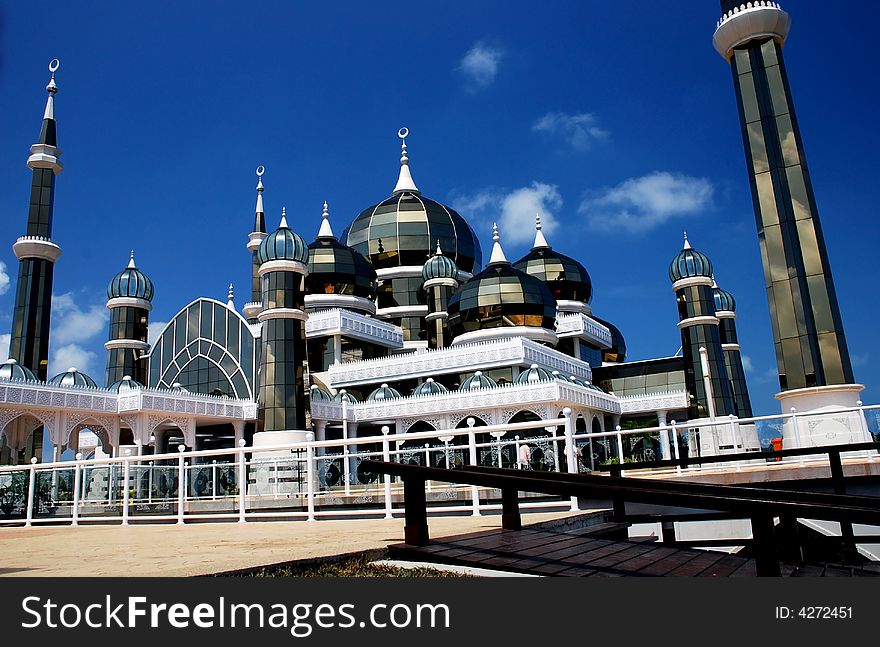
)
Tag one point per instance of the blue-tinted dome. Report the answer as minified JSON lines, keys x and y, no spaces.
{"x":430,"y":387}
{"x":439,"y":267}
{"x":335,"y":268}
{"x":567,"y":278}
{"x":316,"y":393}
{"x":534,"y":374}
{"x":477,"y":381}
{"x":131,"y":283}
{"x":617,"y":352}
{"x":384,"y":392}
{"x":12,"y":370}
{"x":72,"y":377}
{"x":345,"y":396}
{"x":723,"y":300}
{"x":689,"y":263}
{"x":177,"y":387}
{"x":283,"y":244}
{"x":125,"y":384}
{"x":563,"y":377}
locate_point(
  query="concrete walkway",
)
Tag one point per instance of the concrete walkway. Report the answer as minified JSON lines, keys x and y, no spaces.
{"x":209,"y":548}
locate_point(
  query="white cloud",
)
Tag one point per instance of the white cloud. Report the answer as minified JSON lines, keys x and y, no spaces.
{"x":514,"y":211}
{"x":480,"y":65}
{"x":639,"y":204}
{"x":580,"y":131}
{"x":73,"y":356}
{"x":4,"y":278}
{"x":154,"y":329}
{"x":747,"y":364}
{"x":72,"y":324}
{"x":5,"y":340}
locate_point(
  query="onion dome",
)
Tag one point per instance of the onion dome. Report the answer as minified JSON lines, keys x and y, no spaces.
{"x":72,"y":377}
{"x":345,"y":396}
{"x":430,"y":387}
{"x":501,"y":296}
{"x":477,"y":381}
{"x":125,"y":384}
{"x":384,"y":392}
{"x":402,"y":229}
{"x":617,"y":352}
{"x":335,"y":268}
{"x":316,"y":393}
{"x":723,"y":299}
{"x":534,"y":374}
{"x":283,"y":244}
{"x":592,"y":386}
{"x":12,"y":370}
{"x":567,"y":278}
{"x":131,"y":283}
{"x":177,"y":387}
{"x":689,"y":263}
{"x":439,"y":267}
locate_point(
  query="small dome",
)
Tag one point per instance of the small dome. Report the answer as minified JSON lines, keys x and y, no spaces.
{"x":12,"y":370}
{"x":689,"y":263}
{"x":384,"y":392}
{"x":125,"y":384}
{"x":177,"y":387}
{"x":534,"y":374}
{"x":565,"y":378}
{"x":283,"y":244}
{"x":723,"y":300}
{"x":335,"y":268}
{"x":72,"y":377}
{"x":316,"y":393}
{"x":439,"y":267}
{"x":345,"y":396}
{"x":592,"y":386}
{"x":130,"y":283}
{"x":477,"y":381}
{"x":567,"y":278}
{"x":430,"y":387}
{"x":617,"y":352}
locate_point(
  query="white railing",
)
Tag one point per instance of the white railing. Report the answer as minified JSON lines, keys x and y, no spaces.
{"x":353,"y":324}
{"x":320,"y":479}
{"x":650,"y":402}
{"x":456,"y":359}
{"x":579,"y":324}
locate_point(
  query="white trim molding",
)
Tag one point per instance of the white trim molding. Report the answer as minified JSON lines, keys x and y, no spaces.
{"x":283,"y":266}
{"x":349,"y":301}
{"x":750,"y":20}
{"x":355,"y":325}
{"x":282,"y":313}
{"x":36,"y":247}
{"x":130,"y":302}
{"x":535,"y":333}
{"x":691,"y":281}
{"x":697,"y":321}
{"x":136,"y":344}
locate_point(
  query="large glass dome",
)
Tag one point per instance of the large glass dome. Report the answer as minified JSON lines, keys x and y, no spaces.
{"x":567,"y":278}
{"x":335,"y":268}
{"x":404,"y":230}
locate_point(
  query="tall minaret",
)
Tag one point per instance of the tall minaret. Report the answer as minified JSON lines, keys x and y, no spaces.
{"x":129,"y":299}
{"x":284,"y":258}
{"x":807,"y":330}
{"x":439,"y":281}
{"x":725,"y":310}
{"x":252,"y":310}
{"x":691,"y":276}
{"x":36,"y":251}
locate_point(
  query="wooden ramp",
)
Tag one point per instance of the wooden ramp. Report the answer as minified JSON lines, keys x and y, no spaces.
{"x":573,"y":553}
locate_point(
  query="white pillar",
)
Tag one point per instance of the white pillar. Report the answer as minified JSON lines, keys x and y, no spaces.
{"x":310,"y":475}
{"x":77,"y":477}
{"x":570,"y":451}
{"x":664,"y":435}
{"x":242,"y":482}
{"x":386,"y":456}
{"x":472,"y":460}
{"x":181,"y":483}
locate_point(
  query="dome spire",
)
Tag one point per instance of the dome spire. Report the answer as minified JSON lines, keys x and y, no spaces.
{"x":131,"y":261}
{"x":404,"y":180}
{"x":540,"y":241}
{"x":687,"y":244}
{"x":51,"y":88}
{"x":497,"y":253}
{"x":439,"y":251}
{"x":260,"y":218}
{"x":230,"y":298}
{"x":325,"y":231}
{"x":283,"y":222}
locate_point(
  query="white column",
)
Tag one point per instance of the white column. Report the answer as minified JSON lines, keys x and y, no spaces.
{"x":570,"y":451}
{"x":386,"y":456}
{"x":664,"y":435}
{"x":472,"y":460}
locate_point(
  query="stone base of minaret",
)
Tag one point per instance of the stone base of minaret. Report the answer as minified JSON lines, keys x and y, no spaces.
{"x":822,"y":417}
{"x":277,"y":473}
{"x":721,"y":436}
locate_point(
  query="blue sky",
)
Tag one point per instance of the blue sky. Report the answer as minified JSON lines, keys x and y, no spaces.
{"x":616,"y":120}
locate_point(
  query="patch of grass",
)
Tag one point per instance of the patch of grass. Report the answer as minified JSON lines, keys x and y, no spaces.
{"x":351,"y":567}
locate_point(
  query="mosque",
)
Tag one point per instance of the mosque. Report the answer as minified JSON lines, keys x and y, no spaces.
{"x":396,"y":321}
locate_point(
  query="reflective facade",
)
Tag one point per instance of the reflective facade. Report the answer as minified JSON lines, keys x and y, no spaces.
{"x":335,"y":268}
{"x":404,"y":230}
{"x":807,"y":331}
{"x":567,"y":278}
{"x":206,"y":348}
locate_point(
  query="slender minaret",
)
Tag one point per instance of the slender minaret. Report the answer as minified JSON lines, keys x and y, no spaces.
{"x":36,"y":251}
{"x":284,"y":258}
{"x":691,"y":276}
{"x":252,"y":310}
{"x":807,"y":330}
{"x":129,"y":299}
{"x":725,"y":310}
{"x":439,"y":276}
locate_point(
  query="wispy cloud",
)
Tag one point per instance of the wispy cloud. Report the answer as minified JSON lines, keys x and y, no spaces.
{"x":73,"y":326}
{"x":479,"y":65}
{"x":640,"y":204}
{"x":514,"y":211}
{"x":860,"y":359}
{"x":4,"y":278}
{"x":74,"y":356}
{"x":5,"y":340}
{"x":579,"y":131}
{"x":154,"y":329}
{"x":747,"y":364}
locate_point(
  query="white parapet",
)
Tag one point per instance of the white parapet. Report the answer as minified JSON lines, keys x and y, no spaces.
{"x":749,"y":21}
{"x":823,"y":416}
